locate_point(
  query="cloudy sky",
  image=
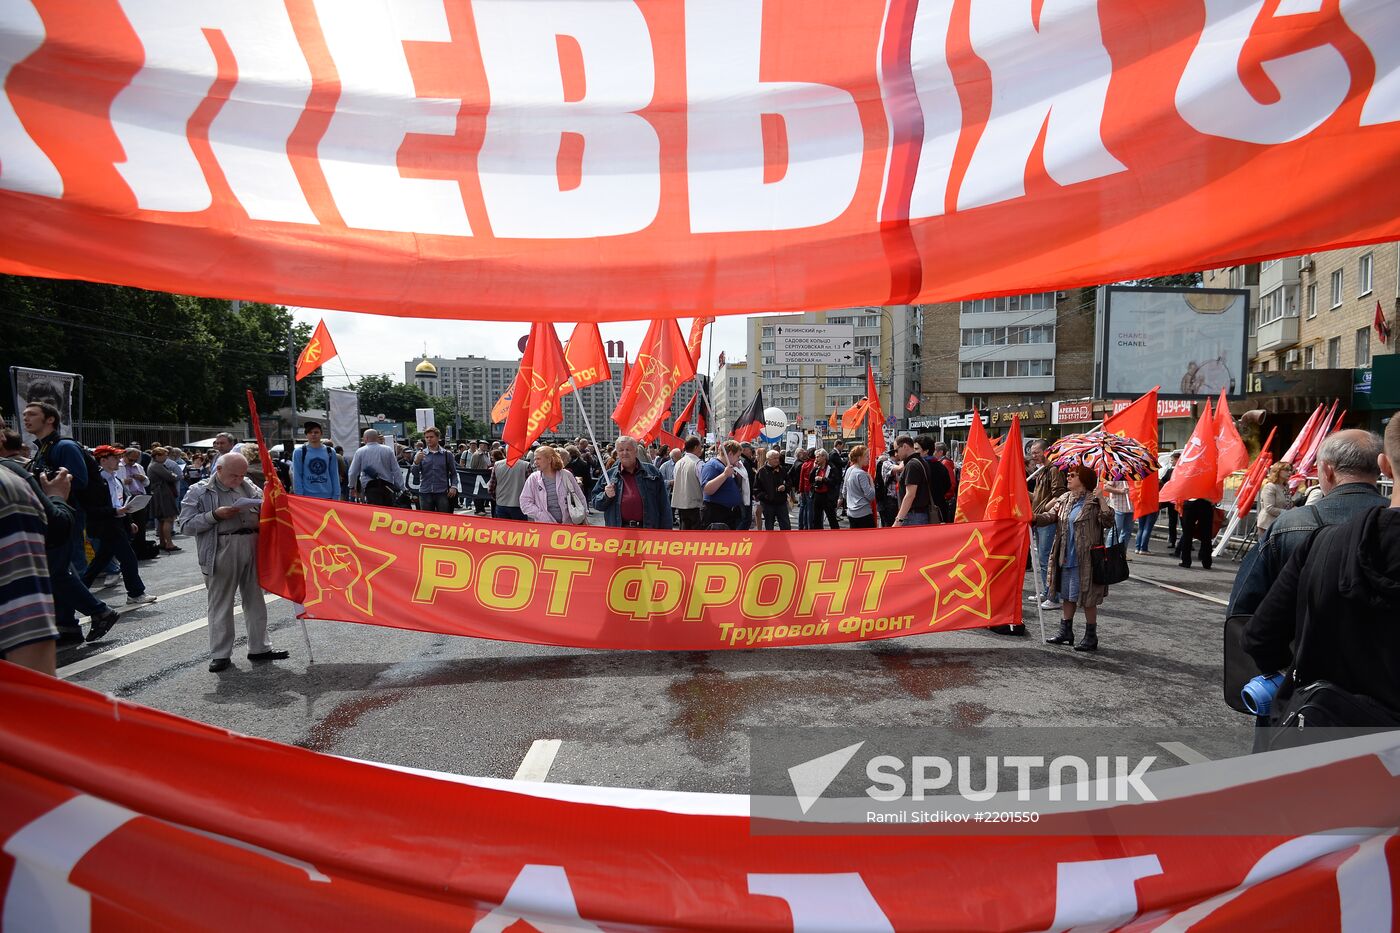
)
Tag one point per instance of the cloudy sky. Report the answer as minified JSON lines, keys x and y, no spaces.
{"x":370,"y":344}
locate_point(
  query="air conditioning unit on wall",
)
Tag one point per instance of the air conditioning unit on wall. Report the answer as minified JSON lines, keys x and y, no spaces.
{"x":1290,"y":357}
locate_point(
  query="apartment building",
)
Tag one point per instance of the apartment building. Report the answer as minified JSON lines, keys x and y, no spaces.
{"x":731,"y":395}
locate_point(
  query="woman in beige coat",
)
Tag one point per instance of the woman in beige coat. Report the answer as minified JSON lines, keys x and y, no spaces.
{"x":1080,"y":518}
{"x":1274,"y":499}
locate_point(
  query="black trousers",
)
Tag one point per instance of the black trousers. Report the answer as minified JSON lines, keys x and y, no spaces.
{"x":1197,"y":516}
{"x":776,"y":514}
{"x":889,"y":508}
{"x":378,"y":492}
{"x":728,"y":516}
{"x":1171,"y":524}
{"x":824,"y":503}
{"x":689,"y":519}
{"x":867,"y":521}
{"x":114,"y":540}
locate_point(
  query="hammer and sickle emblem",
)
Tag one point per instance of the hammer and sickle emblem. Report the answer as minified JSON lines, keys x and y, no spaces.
{"x":975,"y":589}
{"x":537,"y":382}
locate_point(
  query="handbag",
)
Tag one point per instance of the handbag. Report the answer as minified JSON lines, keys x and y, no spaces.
{"x":1109,"y":563}
{"x":578,"y":509}
{"x":1316,"y":710}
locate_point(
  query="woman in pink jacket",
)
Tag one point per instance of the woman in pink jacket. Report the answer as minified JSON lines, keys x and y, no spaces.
{"x":548,"y":490}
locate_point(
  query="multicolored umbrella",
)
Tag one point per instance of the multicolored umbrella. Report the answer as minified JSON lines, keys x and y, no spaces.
{"x":1111,"y":456}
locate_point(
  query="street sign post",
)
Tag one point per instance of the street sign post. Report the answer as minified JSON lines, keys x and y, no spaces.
{"x":277,"y":385}
{"x":815,"y":344}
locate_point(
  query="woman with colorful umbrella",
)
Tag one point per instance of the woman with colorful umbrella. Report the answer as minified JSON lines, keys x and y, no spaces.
{"x":1080,"y":519}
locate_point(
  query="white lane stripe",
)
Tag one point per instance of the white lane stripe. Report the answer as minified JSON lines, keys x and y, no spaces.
{"x":1185,"y":752}
{"x":538,"y":760}
{"x":162,"y":597}
{"x":121,"y":651}
{"x":1176,"y":589}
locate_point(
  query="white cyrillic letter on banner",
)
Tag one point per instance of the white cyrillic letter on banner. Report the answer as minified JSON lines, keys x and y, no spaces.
{"x":938,"y":101}
{"x":1311,"y":84}
{"x":620,"y":187}
{"x":1377,"y":22}
{"x":1055,"y":77}
{"x":727,"y":101}
{"x":1099,"y":895}
{"x":540,"y":896}
{"x":824,"y":902}
{"x":248,"y":135}
{"x":378,"y":106}
{"x":23,"y":165}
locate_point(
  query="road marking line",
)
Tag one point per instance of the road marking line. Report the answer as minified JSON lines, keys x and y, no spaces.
{"x":535,"y":765}
{"x":1185,"y":752}
{"x":161,"y":597}
{"x":121,"y":651}
{"x":1176,"y":589}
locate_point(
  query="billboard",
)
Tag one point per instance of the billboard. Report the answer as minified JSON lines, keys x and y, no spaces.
{"x":1190,"y":341}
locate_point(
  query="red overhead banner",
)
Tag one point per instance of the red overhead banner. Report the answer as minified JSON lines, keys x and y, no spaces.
{"x":594,"y":587}
{"x":607,"y":161}
{"x":114,"y":817}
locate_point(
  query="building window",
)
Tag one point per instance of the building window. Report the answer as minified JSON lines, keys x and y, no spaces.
{"x":843,"y":319}
{"x":1363,"y":346}
{"x":1040,"y":301}
{"x":1363,"y":274}
{"x":1337,"y":289}
{"x":768,"y":331}
{"x":1278,"y":304}
{"x":1309,"y":360}
{"x":1005,"y":336}
{"x":868,"y":320}
{"x":1334,"y":353}
{"x":1003,"y":369}
{"x":767,"y":345}
{"x":870,"y":342}
{"x":1312,"y":301}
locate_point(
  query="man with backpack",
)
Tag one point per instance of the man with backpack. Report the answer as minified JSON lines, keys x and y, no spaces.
{"x":113,"y":527}
{"x":436,"y":472}
{"x":315,"y":468}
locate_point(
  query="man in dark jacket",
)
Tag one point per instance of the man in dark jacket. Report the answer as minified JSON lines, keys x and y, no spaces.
{"x":1348,"y":469}
{"x":633,"y":494}
{"x":771,"y":492}
{"x":1343,"y":583}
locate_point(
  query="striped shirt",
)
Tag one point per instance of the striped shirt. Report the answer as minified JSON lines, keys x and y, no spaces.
{"x":26,"y":594}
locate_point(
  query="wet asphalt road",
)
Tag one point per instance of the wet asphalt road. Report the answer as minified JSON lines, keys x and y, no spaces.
{"x":661,"y":720}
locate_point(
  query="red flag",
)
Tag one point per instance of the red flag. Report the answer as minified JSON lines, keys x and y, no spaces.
{"x":979,"y":469}
{"x":1381,"y":325}
{"x":750,"y":423}
{"x":875,"y":430}
{"x":280,"y":569}
{"x":686,"y":413}
{"x":318,"y":350}
{"x":586,"y":359}
{"x":913,"y":402}
{"x":502,"y":406}
{"x":1306,"y":464}
{"x":1254,"y":479}
{"x":1194,"y":476}
{"x":1139,"y":421}
{"x":1304,"y":438}
{"x":833,"y":422}
{"x":663,"y":363}
{"x":1010,"y":497}
{"x":697,"y":338}
{"x":1230,"y":452}
{"x":853,"y":416}
{"x":534,"y":405}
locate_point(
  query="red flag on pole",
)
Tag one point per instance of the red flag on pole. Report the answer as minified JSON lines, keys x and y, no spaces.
{"x":280,"y":569}
{"x":1194,"y":476}
{"x":1139,"y":421}
{"x":318,"y":350}
{"x":875,"y":432}
{"x":697,"y":339}
{"x":1300,"y":443}
{"x":1010,"y":497}
{"x":1381,"y":325}
{"x":853,"y":416}
{"x":979,"y":468}
{"x":1306,"y":464}
{"x":834,"y":421}
{"x":586,"y":358}
{"x":534,"y":406}
{"x":663,"y":363}
{"x":1254,"y":479}
{"x":502,"y":406}
{"x":1230,"y":452}
{"x":750,"y":423}
{"x":686,"y":413}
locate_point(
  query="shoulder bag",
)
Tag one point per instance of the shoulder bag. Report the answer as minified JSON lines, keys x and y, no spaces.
{"x":573,"y":502}
{"x":1109,"y":563}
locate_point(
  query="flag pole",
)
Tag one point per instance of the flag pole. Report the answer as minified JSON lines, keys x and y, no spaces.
{"x":588,"y":425}
{"x":1035,"y":571}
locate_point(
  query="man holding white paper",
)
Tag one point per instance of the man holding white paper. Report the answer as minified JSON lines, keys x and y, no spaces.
{"x":222,"y":514}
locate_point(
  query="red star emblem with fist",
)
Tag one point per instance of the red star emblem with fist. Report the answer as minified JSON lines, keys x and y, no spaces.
{"x":963,"y":582}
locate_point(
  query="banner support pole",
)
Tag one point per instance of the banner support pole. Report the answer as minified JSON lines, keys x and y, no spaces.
{"x":588,"y":426}
{"x":1035,"y":575}
{"x":1225,"y":535}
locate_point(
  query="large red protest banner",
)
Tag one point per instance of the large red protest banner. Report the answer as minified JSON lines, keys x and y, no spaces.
{"x":607,"y":161}
{"x":114,"y":817}
{"x":594,"y":587}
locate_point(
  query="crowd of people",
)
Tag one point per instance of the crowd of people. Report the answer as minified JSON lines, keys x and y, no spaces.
{"x":84,"y":520}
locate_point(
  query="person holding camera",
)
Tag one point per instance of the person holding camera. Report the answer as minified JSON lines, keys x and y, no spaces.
{"x":1081,"y":520}
{"x":436,"y":472}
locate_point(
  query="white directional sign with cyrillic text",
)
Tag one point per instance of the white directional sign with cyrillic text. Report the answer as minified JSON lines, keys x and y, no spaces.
{"x":815,"y":344}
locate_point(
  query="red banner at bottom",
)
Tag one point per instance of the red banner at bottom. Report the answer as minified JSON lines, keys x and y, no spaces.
{"x":592,"y":587}
{"x":116,"y":817}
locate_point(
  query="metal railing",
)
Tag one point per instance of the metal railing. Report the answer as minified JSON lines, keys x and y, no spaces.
{"x":143,"y":434}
